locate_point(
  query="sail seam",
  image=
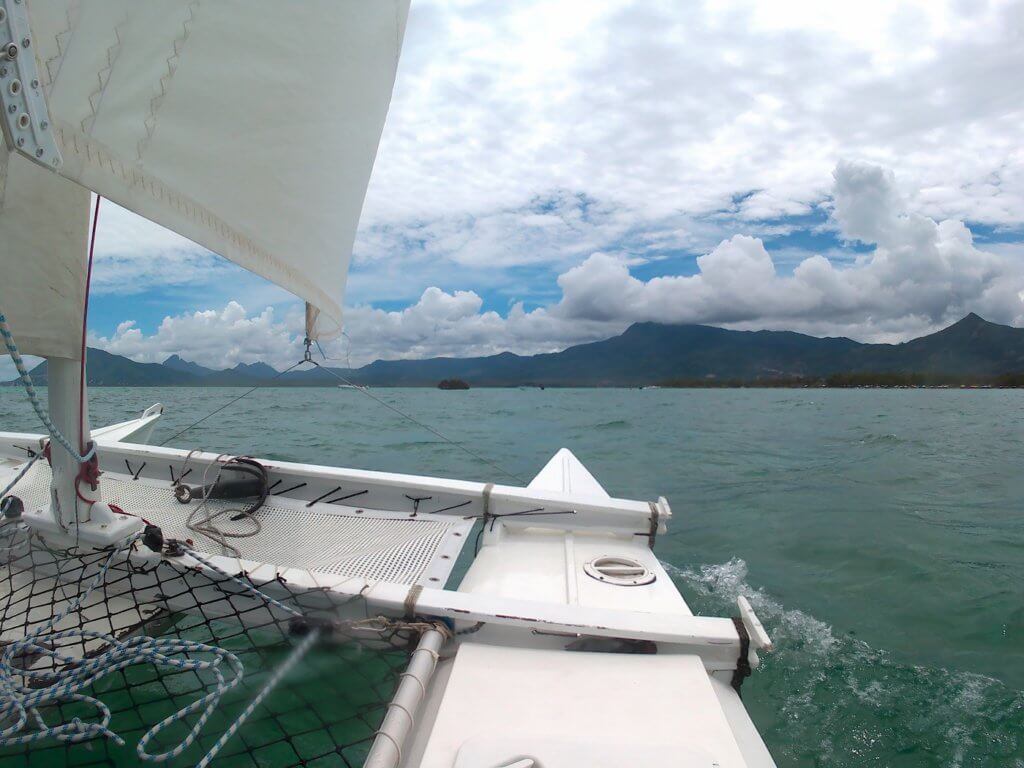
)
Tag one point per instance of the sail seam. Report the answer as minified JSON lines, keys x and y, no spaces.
{"x":172,"y":66}
{"x":103,"y":78}
{"x":91,"y":152}
{"x":5,"y":158}
{"x":63,"y":39}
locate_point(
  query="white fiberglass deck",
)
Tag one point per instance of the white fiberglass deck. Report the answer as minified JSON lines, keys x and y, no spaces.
{"x":551,"y":645}
{"x":371,"y":544}
{"x":561,"y":709}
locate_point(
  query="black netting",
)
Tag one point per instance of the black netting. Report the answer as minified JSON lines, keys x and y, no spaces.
{"x":323,"y":713}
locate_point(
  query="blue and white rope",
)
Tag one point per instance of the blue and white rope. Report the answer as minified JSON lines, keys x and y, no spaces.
{"x":293,"y":658}
{"x":23,"y":703}
{"x":245,"y":585}
{"x":21,"y":473}
{"x":33,"y":397}
{"x":68,"y":683}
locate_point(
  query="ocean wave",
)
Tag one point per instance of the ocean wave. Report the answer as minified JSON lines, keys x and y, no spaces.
{"x":616,"y":424}
{"x":881,"y":439}
{"x":414,"y":445}
{"x":828,"y":699}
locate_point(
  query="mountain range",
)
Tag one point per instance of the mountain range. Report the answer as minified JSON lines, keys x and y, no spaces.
{"x":971,"y":349}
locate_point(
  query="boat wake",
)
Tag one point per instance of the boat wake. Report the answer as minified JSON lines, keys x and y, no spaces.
{"x":825,"y":699}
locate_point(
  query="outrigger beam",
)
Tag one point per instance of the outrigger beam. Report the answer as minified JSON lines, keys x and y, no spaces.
{"x":715,"y":640}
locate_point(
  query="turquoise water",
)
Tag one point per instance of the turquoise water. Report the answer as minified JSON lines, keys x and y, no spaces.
{"x":879,"y":532}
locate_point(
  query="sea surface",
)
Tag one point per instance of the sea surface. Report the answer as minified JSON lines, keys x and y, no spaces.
{"x":879,"y":533}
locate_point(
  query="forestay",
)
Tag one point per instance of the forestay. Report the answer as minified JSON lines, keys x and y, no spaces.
{"x":248,"y":126}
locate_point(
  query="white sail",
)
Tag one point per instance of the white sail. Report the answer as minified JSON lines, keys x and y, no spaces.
{"x":248,"y":126}
{"x":44,"y":221}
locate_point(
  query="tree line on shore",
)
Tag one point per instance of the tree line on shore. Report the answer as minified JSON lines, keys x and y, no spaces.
{"x":858,"y":380}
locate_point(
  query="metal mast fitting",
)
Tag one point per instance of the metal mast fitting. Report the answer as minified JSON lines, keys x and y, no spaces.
{"x":25,"y":119}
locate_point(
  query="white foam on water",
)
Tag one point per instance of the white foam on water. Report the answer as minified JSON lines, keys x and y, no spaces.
{"x":721,"y":584}
{"x":833,"y":700}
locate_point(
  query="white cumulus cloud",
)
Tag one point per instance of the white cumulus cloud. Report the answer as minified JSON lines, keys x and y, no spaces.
{"x":216,"y":339}
{"x":920,"y":275}
{"x":672,"y":121}
{"x":666,"y":107}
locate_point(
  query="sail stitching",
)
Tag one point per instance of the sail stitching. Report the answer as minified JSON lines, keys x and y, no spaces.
{"x":91,"y":151}
{"x":103,"y":77}
{"x":5,"y":158}
{"x":172,"y":66}
{"x":63,"y":39}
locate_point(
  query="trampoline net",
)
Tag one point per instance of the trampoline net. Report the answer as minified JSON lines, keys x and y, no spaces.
{"x":323,"y":712}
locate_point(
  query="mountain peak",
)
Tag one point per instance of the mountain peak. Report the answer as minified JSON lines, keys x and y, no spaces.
{"x":971,"y":350}
{"x":975,"y":321}
{"x":258,"y":369}
{"x":178,"y":363}
{"x":970,"y":323}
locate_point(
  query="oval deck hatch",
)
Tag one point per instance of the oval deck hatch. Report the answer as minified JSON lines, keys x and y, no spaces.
{"x":618,"y":570}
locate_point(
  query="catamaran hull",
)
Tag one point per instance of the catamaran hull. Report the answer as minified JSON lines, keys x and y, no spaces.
{"x":565,"y":610}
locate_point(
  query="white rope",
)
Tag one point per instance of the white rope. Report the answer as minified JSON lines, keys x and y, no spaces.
{"x":205,"y":525}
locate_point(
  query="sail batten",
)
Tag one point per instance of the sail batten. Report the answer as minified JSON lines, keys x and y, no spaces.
{"x":247,"y":126}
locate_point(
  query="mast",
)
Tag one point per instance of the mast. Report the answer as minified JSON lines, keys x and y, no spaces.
{"x":74,"y":480}
{"x":152,"y":104}
{"x":64,"y":380}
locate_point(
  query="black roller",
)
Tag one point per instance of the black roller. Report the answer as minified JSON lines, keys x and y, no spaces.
{"x":241,"y":478}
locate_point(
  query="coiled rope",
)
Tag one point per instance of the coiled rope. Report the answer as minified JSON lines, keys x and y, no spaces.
{"x":23,"y":702}
{"x":67,"y":683}
{"x":202,"y":519}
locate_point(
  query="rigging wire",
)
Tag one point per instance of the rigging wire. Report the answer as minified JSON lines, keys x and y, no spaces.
{"x":330,"y":372}
{"x":231,"y":402}
{"x":419,"y":423}
{"x":85,"y":319}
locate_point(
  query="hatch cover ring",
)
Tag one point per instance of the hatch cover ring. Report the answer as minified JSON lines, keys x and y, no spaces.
{"x":620,"y":571}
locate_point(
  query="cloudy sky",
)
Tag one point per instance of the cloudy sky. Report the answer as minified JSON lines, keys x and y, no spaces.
{"x":553,"y":171}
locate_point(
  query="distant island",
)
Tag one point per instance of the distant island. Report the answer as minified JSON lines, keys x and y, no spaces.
{"x":452,"y":384}
{"x":971,"y":352}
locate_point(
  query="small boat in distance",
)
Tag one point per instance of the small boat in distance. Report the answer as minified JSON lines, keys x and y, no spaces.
{"x":353,"y":386}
